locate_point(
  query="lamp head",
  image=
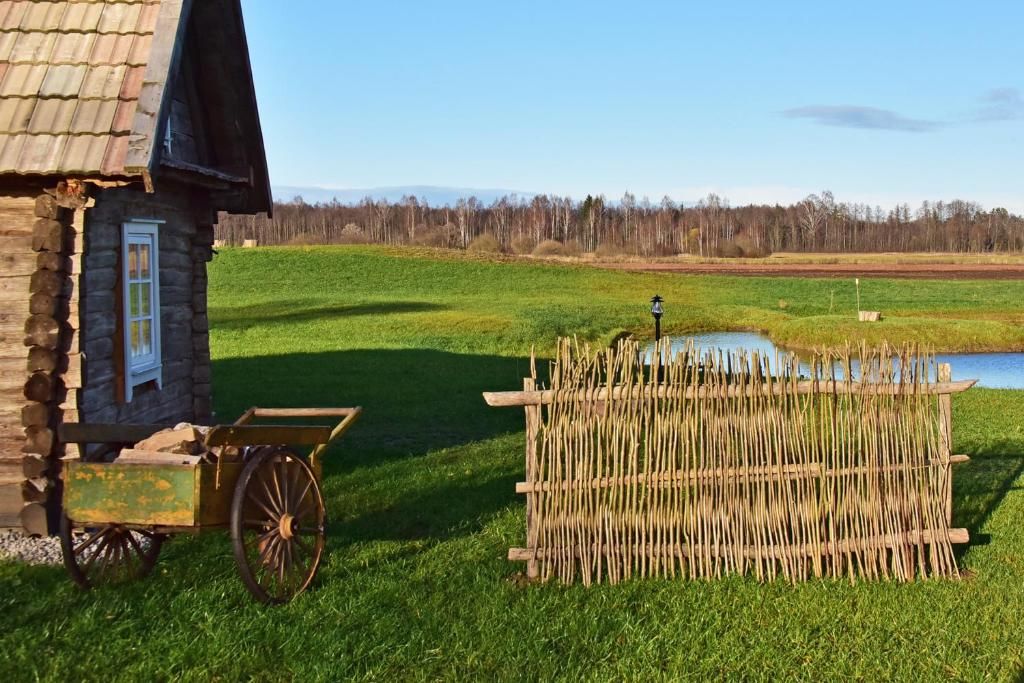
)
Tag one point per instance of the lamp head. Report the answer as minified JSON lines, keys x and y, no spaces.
{"x":656,"y":307}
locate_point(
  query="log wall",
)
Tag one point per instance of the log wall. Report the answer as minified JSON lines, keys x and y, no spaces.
{"x":61,"y":329}
{"x":17,"y":266}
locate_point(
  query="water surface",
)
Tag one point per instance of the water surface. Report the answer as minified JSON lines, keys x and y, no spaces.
{"x":993,"y":370}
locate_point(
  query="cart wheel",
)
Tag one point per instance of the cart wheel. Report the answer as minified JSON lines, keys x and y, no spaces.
{"x":277,"y":524}
{"x":108,"y":554}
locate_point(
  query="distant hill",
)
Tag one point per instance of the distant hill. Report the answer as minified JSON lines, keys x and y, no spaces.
{"x":435,"y":196}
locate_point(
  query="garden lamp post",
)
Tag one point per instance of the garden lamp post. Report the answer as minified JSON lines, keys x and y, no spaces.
{"x":656,"y":311}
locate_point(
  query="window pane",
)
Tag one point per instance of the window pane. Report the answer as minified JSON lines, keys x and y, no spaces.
{"x":146,"y":339}
{"x":144,"y":261}
{"x":134,"y":291}
{"x":145,"y":290}
{"x":133,"y":261}
{"x":136,"y":349}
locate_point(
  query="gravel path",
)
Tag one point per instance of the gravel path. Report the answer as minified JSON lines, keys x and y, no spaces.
{"x":14,"y":545}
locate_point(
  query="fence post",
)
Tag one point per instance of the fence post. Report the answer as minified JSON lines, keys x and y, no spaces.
{"x":532,"y":426}
{"x":946,"y":431}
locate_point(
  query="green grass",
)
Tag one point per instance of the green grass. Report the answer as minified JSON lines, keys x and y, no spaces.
{"x":415,"y":584}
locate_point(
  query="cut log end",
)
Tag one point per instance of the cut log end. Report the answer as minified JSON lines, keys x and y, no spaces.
{"x":40,"y":358}
{"x":38,"y":439}
{"x":40,"y":387}
{"x":42,"y":330}
{"x":34,"y":519}
{"x":34,"y":465}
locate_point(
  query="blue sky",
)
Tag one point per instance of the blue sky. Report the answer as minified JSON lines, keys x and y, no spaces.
{"x":759,"y":101}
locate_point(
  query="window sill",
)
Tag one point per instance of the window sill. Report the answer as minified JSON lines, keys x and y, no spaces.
{"x":139,"y":377}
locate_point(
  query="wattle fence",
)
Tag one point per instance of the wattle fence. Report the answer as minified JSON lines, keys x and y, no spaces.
{"x":705,"y":465}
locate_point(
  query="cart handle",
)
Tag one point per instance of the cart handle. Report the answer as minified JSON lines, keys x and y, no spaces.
{"x":349,"y":415}
{"x":255,"y":413}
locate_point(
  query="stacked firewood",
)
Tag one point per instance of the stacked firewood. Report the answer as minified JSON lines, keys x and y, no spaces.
{"x":183,"y":444}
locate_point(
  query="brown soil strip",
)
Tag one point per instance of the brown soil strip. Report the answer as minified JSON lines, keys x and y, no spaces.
{"x":940,"y":271}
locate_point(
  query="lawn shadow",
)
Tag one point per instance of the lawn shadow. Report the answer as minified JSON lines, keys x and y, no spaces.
{"x":308,"y":310}
{"x":456,"y":508}
{"x":980,"y":486}
{"x":414,"y":400}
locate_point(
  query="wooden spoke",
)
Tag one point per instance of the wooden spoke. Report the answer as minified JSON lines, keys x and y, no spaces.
{"x":267,"y":552}
{"x":80,"y":548}
{"x":108,"y":553}
{"x":294,"y":485}
{"x":120,"y":569}
{"x":135,"y":544}
{"x":298,"y":504}
{"x":101,"y":549}
{"x":282,"y":475}
{"x":269,"y":495}
{"x":266,"y":538}
{"x":277,"y":488}
{"x":273,"y":514}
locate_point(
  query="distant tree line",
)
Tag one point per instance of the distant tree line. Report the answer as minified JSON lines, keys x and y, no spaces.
{"x":711,"y":227}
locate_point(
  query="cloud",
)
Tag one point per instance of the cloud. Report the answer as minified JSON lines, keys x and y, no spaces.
{"x":1001,"y":104}
{"x":853,"y":116}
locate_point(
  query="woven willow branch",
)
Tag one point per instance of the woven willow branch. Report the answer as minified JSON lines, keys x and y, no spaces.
{"x":749,"y":474}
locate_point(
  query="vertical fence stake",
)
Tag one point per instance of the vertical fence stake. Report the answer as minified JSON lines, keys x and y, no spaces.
{"x":946,"y":430}
{"x":532,"y":425}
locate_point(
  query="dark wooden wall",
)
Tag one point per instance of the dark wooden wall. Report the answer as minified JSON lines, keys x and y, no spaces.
{"x":184,"y":250}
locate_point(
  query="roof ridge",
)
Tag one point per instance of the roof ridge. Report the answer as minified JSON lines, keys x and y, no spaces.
{"x":68,"y":134}
{"x":73,"y":31}
{"x":69,"y":98}
{"x":37,"y":62}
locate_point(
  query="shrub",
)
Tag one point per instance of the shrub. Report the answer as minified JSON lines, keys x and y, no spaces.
{"x":438,"y":236}
{"x":608,"y":250}
{"x":751,"y":250}
{"x":303,"y":239}
{"x":741,"y":247}
{"x":523,"y":244}
{"x":485,"y":243}
{"x":351,"y":234}
{"x":728,"y":249}
{"x":572,"y":248}
{"x":549,"y":248}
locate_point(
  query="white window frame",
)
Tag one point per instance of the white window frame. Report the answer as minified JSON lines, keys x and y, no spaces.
{"x":150,"y":368}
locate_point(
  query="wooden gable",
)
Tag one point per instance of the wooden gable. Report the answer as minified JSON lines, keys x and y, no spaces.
{"x":210,"y":129}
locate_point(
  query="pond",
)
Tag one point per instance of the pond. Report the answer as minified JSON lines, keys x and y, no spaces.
{"x":992,"y":370}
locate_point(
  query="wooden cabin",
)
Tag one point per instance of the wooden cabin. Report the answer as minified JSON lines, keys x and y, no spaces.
{"x":125,"y":127}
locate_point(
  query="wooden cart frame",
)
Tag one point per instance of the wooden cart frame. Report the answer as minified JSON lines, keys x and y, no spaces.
{"x":117,"y":515}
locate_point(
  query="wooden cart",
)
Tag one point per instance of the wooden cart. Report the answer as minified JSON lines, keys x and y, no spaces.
{"x":117,"y":515}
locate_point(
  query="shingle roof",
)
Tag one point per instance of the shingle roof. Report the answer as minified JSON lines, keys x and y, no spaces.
{"x":81,"y":82}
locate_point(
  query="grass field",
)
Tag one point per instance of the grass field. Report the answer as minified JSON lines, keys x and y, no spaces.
{"x":415,"y":585}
